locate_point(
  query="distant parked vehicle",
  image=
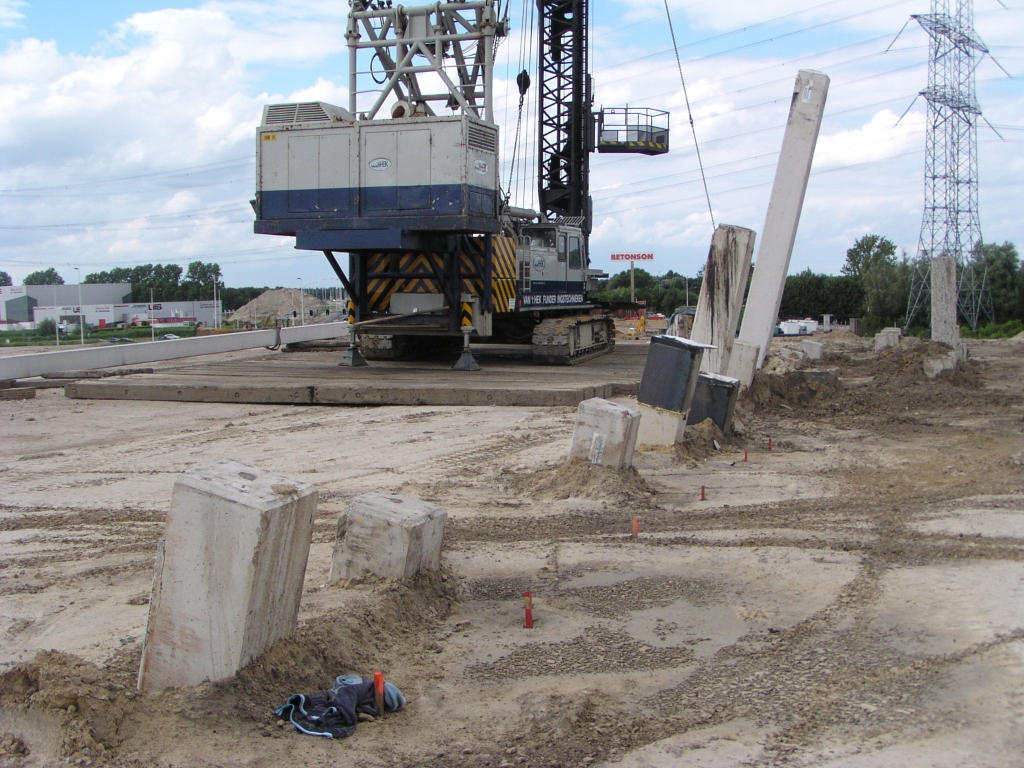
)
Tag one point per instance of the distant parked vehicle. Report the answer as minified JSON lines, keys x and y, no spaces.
{"x":119,"y":340}
{"x":169,"y":337}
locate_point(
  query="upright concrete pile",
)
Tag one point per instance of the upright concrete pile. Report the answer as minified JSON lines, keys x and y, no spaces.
{"x":387,"y":535}
{"x":945,"y":329}
{"x":781,"y":222}
{"x":228,"y":574}
{"x":605,"y":433}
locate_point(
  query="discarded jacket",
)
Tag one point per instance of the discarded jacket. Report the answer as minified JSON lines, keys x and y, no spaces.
{"x":334,"y":713}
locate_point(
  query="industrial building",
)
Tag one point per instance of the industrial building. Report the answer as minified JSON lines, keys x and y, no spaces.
{"x":102,"y":305}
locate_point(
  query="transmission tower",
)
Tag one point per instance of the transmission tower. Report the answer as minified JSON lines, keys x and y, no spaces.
{"x":951,"y":226}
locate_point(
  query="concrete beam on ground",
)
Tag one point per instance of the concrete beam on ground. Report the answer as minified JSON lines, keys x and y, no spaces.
{"x":721,"y":294}
{"x":784,"y":207}
{"x":110,"y":355}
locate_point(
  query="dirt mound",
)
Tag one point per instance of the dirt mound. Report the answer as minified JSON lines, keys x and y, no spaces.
{"x":97,"y":715}
{"x":699,"y":441}
{"x":277,"y":304}
{"x":581,"y":480}
{"x":792,"y":390}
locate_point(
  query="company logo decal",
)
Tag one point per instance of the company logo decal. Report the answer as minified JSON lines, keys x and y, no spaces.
{"x":480,"y":166}
{"x":379,"y":164}
{"x":539,"y":262}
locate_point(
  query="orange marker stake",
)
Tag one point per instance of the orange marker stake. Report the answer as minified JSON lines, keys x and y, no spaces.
{"x":744,"y":456}
{"x":636,"y":528}
{"x":769,"y":445}
{"x":703,"y":495}
{"x":529,"y":609}
{"x":378,"y":692}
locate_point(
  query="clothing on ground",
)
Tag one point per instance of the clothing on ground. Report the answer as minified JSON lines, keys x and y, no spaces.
{"x":334,"y":713}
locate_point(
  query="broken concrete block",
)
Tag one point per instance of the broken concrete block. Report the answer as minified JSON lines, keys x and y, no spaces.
{"x":605,"y":433}
{"x":228,"y":575}
{"x":721,"y":295}
{"x":715,"y":399}
{"x":390,"y":536}
{"x":659,"y":426}
{"x":813,"y":350}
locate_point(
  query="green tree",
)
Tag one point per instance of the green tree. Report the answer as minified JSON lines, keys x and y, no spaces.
{"x":199,"y":281}
{"x":812,"y":295}
{"x":1004,"y":278}
{"x":46,"y":328}
{"x":886,"y":284}
{"x":866,"y":252}
{"x":162,"y":280}
{"x":44,"y":277}
{"x":5,"y":279}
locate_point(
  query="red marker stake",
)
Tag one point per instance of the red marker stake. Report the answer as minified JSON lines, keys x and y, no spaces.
{"x":529,"y":609}
{"x":378,"y":692}
{"x":744,"y":456}
{"x":703,"y":495}
{"x":769,"y":445}
{"x":636,"y":528}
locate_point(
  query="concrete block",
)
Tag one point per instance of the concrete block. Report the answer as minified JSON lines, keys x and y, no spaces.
{"x":721,"y":295}
{"x":936,"y":364}
{"x":605,"y":433}
{"x":228,"y":575}
{"x":743,"y":362}
{"x":826,"y":323}
{"x":784,"y":207}
{"x":660,"y":427}
{"x":715,"y":399}
{"x":944,"y":295}
{"x":391,"y":536}
{"x":813,"y":350}
{"x":887,"y":337}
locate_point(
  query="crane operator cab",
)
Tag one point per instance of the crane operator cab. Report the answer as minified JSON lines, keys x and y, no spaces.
{"x":551,"y":266}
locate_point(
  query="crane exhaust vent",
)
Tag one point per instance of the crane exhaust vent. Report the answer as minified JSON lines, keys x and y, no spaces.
{"x":304,"y":112}
{"x":483,"y":138}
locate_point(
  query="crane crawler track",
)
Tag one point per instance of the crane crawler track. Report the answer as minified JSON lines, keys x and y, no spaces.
{"x":572,"y":340}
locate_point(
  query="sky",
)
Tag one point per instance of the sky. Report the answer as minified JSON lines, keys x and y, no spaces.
{"x":127,"y":129}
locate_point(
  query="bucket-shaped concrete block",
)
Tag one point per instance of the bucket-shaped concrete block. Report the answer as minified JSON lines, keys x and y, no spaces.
{"x":715,"y":399}
{"x":605,"y":433}
{"x":228,"y":575}
{"x":670,"y":373}
{"x":391,"y":536}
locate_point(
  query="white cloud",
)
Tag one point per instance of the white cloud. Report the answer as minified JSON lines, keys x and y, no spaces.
{"x":10,"y":16}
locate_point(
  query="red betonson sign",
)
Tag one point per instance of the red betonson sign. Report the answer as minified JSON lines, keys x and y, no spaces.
{"x":632,"y":257}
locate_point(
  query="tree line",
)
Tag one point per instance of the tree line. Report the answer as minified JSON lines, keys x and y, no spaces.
{"x":874,"y":284}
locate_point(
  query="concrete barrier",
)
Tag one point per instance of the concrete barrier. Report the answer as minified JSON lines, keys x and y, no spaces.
{"x":228,"y":575}
{"x":391,"y":536}
{"x":605,"y":433}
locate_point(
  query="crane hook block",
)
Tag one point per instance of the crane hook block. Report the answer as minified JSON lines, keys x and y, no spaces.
{"x":523,"y":81}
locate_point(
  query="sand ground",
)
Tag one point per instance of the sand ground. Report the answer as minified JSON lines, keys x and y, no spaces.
{"x":855,"y":597}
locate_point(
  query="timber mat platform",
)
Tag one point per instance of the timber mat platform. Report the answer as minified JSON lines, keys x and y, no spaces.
{"x":315,"y":378}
